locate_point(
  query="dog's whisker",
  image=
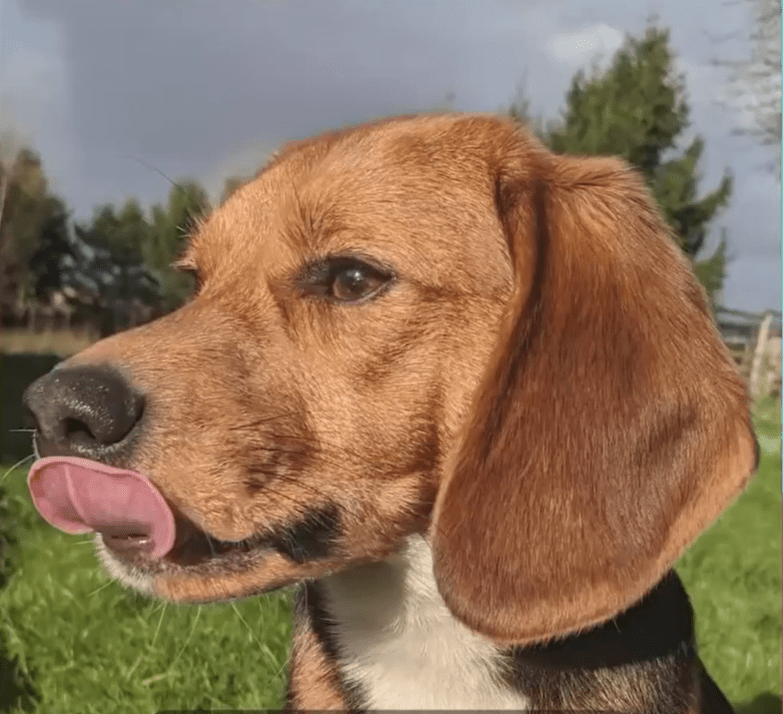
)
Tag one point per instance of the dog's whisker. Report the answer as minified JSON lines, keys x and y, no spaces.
{"x":289,"y":478}
{"x":323,"y":441}
{"x":280,"y":494}
{"x":211,"y":545}
{"x":261,"y":421}
{"x":16,"y":466}
{"x":276,"y":444}
{"x":295,"y":480}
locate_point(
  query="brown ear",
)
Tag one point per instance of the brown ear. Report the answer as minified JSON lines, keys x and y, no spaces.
{"x":611,"y":427}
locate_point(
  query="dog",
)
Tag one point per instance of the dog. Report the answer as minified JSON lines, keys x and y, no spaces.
{"x":466,"y":393}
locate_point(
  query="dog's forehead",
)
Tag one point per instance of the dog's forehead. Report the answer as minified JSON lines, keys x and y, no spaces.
{"x":413,"y":188}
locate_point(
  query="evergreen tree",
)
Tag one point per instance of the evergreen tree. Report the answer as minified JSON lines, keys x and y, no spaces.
{"x":637,"y":109}
{"x":123,"y":233}
{"x":132,"y":238}
{"x":171,"y":226}
{"x":53,"y":249}
{"x":27,"y":210}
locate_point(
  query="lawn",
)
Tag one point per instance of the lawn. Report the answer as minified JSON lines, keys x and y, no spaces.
{"x":733,"y":575}
{"x":80,"y":643}
{"x":71,"y":641}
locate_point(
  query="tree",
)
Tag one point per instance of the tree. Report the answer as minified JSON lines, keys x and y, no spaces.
{"x":132,"y":234}
{"x":53,"y":249}
{"x":123,"y":233}
{"x":131,"y":241}
{"x":27,"y":208}
{"x":754,"y":81}
{"x":521,"y":110}
{"x":171,"y":225}
{"x":636,"y":108}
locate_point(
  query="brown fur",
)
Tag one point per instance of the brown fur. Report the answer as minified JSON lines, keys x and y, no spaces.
{"x":313,"y":680}
{"x":612,"y":419}
{"x":543,"y":371}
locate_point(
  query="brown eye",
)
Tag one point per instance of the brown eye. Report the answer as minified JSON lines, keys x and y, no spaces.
{"x":356,"y":282}
{"x":343,"y":279}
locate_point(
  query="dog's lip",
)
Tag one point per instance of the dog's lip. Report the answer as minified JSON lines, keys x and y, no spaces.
{"x":78,"y":495}
{"x":194,"y":548}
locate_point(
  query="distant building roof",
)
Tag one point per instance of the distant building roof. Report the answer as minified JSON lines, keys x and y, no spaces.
{"x":737,"y":325}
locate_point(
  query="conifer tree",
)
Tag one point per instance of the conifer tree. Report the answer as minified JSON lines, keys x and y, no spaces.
{"x":636,"y":108}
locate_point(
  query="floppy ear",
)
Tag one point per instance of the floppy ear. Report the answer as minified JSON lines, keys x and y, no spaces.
{"x":611,"y":426}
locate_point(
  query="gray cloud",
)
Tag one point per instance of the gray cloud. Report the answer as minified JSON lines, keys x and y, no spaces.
{"x":204,"y":89}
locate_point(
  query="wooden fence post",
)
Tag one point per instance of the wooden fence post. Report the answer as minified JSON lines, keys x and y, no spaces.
{"x":759,"y":368}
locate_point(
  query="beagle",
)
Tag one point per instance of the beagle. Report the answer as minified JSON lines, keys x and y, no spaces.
{"x":465,"y":392}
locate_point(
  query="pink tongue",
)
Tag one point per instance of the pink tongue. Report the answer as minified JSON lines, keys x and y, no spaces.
{"x":81,"y":496}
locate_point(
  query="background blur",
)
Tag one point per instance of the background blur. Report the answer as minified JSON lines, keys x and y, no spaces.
{"x":122,"y":122}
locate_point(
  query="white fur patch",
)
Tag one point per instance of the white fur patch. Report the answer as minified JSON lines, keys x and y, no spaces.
{"x":121,"y":572}
{"x":402,"y":645}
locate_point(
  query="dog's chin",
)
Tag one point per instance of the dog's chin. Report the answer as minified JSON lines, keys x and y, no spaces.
{"x":203,"y":569}
{"x":122,"y":572}
{"x":210,"y":579}
{"x":234,"y":576}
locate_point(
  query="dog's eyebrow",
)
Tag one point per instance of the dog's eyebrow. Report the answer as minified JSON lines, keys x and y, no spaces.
{"x":309,"y":223}
{"x":186,"y":260}
{"x":194,"y":238}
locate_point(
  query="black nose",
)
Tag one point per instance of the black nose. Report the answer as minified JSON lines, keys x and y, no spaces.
{"x":83,"y":411}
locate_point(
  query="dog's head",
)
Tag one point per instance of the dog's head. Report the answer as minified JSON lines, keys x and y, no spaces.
{"x":421,"y":325}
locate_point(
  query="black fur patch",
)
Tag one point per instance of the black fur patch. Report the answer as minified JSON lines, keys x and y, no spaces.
{"x":310,"y":605}
{"x":659,"y":625}
{"x":313,"y":537}
{"x":652,"y":642}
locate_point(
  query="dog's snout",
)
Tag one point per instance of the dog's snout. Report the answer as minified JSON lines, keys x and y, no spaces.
{"x":83,"y":411}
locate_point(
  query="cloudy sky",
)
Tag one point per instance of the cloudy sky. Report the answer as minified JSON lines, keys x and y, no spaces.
{"x":207,"y":88}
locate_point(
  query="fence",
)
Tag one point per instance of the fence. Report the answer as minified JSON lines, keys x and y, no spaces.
{"x":753,"y":339}
{"x":755,"y":343}
{"x":58,"y":315}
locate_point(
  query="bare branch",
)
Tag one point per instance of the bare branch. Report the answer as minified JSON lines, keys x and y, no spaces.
{"x":753,"y":86}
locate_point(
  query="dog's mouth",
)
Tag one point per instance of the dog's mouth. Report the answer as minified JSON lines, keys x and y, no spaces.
{"x":194,"y":548}
{"x":135,"y":522}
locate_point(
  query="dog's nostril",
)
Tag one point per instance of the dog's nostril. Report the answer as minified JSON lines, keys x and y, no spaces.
{"x":77,"y":429}
{"x":83,"y":410}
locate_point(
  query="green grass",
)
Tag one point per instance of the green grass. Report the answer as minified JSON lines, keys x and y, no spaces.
{"x":733,"y":575}
{"x":80,"y":643}
{"x":62,"y":342}
{"x":71,"y":641}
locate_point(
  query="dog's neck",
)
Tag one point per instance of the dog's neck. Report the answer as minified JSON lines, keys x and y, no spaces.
{"x":400,"y":645}
{"x":400,"y":648}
